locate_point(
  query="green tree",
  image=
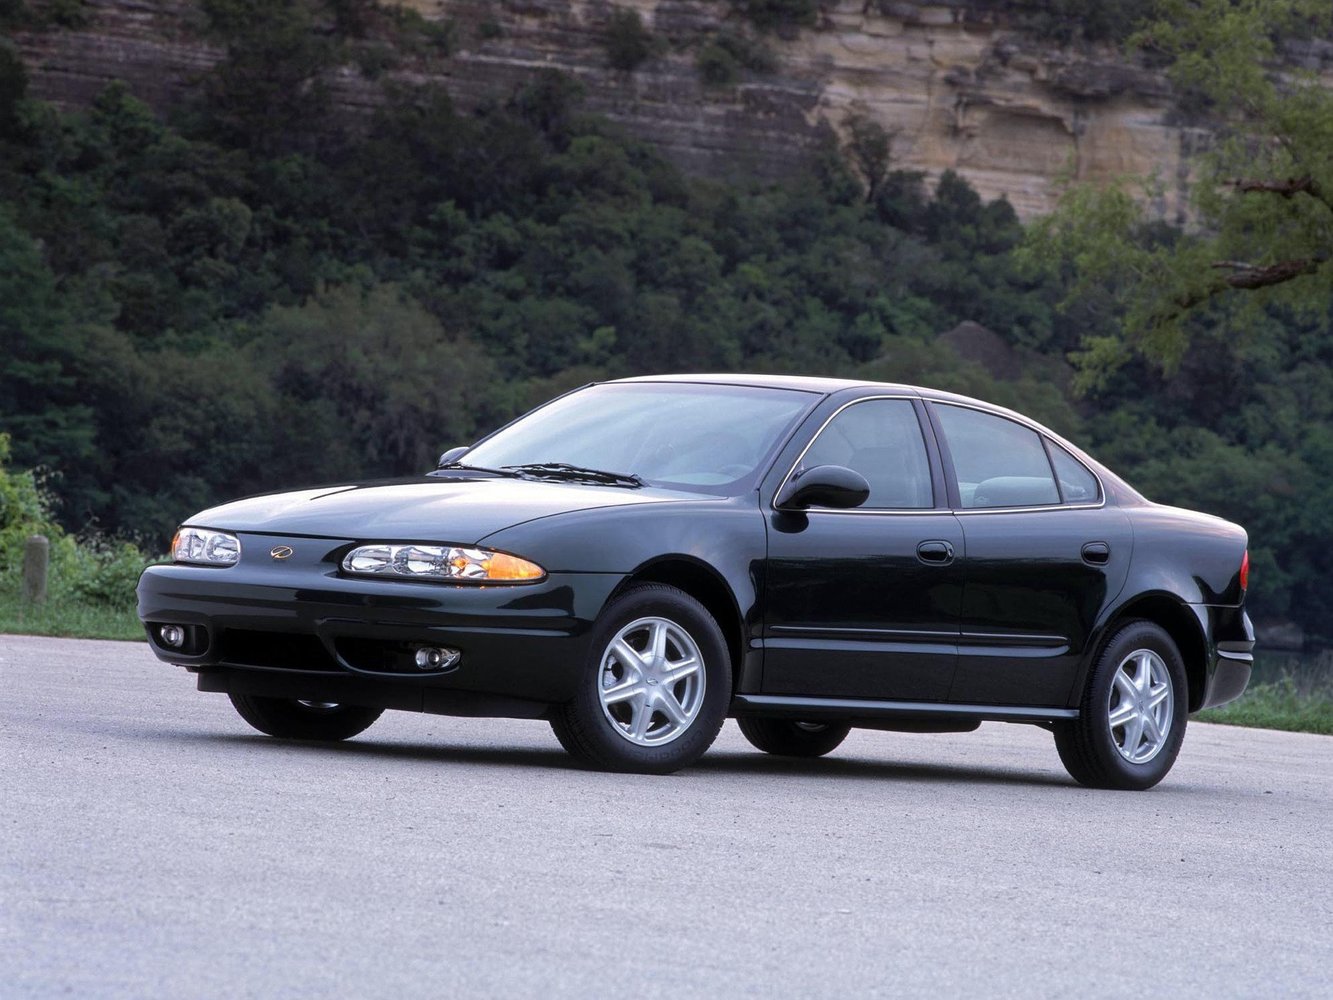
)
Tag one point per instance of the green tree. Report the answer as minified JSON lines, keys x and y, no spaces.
{"x":269,"y":92}
{"x":1262,"y":194}
{"x":628,"y":42}
{"x":368,"y":383}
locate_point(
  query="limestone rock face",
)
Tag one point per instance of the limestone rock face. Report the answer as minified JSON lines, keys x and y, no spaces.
{"x":957,"y":86}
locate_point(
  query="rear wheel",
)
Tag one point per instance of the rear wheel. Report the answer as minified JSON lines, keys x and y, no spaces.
{"x":656,"y":686}
{"x":290,"y":719}
{"x":793,"y":738}
{"x":1132,"y":716}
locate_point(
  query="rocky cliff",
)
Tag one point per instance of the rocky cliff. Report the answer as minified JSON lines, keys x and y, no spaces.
{"x":954,"y":82}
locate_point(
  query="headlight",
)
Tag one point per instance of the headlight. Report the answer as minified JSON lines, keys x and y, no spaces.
{"x":440,"y":562}
{"x":208,"y":548}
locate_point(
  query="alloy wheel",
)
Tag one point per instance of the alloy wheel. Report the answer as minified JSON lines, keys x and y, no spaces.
{"x":1140,"y":706}
{"x":651,"y":681}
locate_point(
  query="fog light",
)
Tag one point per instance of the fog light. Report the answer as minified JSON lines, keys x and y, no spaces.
{"x":436,"y":658}
{"x":172,"y":635}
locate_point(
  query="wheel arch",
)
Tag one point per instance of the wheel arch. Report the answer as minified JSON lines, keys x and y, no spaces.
{"x":707,"y":586}
{"x":1180,"y":622}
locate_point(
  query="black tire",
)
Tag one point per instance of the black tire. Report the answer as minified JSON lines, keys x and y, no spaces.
{"x":604,"y":738}
{"x":1092,"y":748}
{"x":793,"y":738}
{"x":289,"y":719}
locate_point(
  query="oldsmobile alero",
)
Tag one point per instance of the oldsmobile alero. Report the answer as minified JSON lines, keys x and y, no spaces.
{"x":637,"y":560}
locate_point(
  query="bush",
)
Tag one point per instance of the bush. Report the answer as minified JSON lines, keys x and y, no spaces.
{"x":777,"y":15}
{"x":722,"y":58}
{"x":107,"y":573}
{"x":717,"y":67}
{"x":68,"y":13}
{"x":24,"y":511}
{"x":628,"y":43}
{"x":95,"y":571}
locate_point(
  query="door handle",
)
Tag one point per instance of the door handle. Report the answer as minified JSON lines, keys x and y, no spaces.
{"x":935,"y":552}
{"x":1097,"y":553}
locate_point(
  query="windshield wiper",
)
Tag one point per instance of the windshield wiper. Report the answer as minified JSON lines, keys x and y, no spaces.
{"x":563,"y":470}
{"x":475,"y":468}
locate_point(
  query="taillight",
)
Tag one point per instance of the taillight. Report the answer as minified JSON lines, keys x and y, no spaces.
{"x":1245,"y":572}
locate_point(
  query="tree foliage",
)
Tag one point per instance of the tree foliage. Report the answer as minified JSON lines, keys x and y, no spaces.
{"x":1262,"y":195}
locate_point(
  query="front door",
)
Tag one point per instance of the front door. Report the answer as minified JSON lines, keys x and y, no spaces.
{"x":865,"y":603}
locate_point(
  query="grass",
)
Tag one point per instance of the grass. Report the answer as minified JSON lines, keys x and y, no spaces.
{"x":68,"y":617}
{"x":1298,"y":705}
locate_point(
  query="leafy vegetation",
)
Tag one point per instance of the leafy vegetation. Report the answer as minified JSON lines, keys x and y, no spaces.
{"x":90,"y":589}
{"x":1263,"y":195}
{"x":1077,"y":21}
{"x":723,"y":58}
{"x":775,"y":15}
{"x":628,"y":41}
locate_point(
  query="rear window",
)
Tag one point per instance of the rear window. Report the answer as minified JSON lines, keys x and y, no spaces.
{"x":998,"y":462}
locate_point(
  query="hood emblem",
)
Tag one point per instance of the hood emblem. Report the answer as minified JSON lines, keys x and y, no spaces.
{"x":280,"y":552}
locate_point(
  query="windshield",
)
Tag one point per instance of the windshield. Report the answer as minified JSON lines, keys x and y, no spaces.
{"x":710,"y":438}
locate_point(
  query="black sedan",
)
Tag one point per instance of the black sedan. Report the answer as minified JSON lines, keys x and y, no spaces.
{"x":636,"y":560}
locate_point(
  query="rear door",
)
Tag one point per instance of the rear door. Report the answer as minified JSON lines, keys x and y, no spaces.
{"x":1044,"y":554}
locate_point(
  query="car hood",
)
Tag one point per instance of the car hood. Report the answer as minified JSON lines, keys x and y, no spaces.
{"x":444,"y":509}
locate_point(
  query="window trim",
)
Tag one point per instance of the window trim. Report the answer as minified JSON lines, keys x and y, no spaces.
{"x":938,"y":477}
{"x":1044,"y":436}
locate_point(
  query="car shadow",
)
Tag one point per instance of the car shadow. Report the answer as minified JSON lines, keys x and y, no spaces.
{"x":862,"y":768}
{"x":715,"y":762}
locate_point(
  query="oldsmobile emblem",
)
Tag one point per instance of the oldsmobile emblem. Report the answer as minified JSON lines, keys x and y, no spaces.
{"x":280,"y":552}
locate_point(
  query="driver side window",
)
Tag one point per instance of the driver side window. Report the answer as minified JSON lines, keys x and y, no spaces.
{"x":881,"y":439}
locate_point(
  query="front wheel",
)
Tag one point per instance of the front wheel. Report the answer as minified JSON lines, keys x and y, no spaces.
{"x":656,"y":686}
{"x":792,"y":738}
{"x":289,"y":719}
{"x":1132,"y":715}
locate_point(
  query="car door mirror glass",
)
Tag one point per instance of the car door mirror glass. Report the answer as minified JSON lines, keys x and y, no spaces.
{"x":823,"y":486}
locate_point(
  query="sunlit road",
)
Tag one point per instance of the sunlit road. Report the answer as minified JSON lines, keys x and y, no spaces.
{"x":152,"y":845}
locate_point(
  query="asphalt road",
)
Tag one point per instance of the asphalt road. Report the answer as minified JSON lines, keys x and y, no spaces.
{"x":151,"y":845}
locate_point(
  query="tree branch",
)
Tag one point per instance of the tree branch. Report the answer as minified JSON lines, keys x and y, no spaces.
{"x":1252,"y":276}
{"x":1288,"y":188}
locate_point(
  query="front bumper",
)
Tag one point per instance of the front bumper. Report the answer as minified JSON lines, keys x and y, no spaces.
{"x":303,"y":626}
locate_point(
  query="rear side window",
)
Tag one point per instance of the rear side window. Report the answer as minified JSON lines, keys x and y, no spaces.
{"x":999,"y":463}
{"x":1077,"y":484}
{"x":881,"y":439}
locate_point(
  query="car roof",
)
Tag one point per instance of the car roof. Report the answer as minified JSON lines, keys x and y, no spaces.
{"x":806,"y":383}
{"x":816,"y":383}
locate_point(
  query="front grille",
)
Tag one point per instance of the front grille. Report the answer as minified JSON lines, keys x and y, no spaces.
{"x":244,"y":647}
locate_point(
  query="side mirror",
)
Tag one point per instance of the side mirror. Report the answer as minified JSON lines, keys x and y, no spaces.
{"x":453,"y":455}
{"x":823,"y":486}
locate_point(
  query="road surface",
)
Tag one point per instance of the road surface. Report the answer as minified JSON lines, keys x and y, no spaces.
{"x":152,"y":845}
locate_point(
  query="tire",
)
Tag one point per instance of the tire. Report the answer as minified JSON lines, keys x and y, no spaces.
{"x":639,"y":707}
{"x":1132,"y":715}
{"x":289,"y":719}
{"x":792,"y":738}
